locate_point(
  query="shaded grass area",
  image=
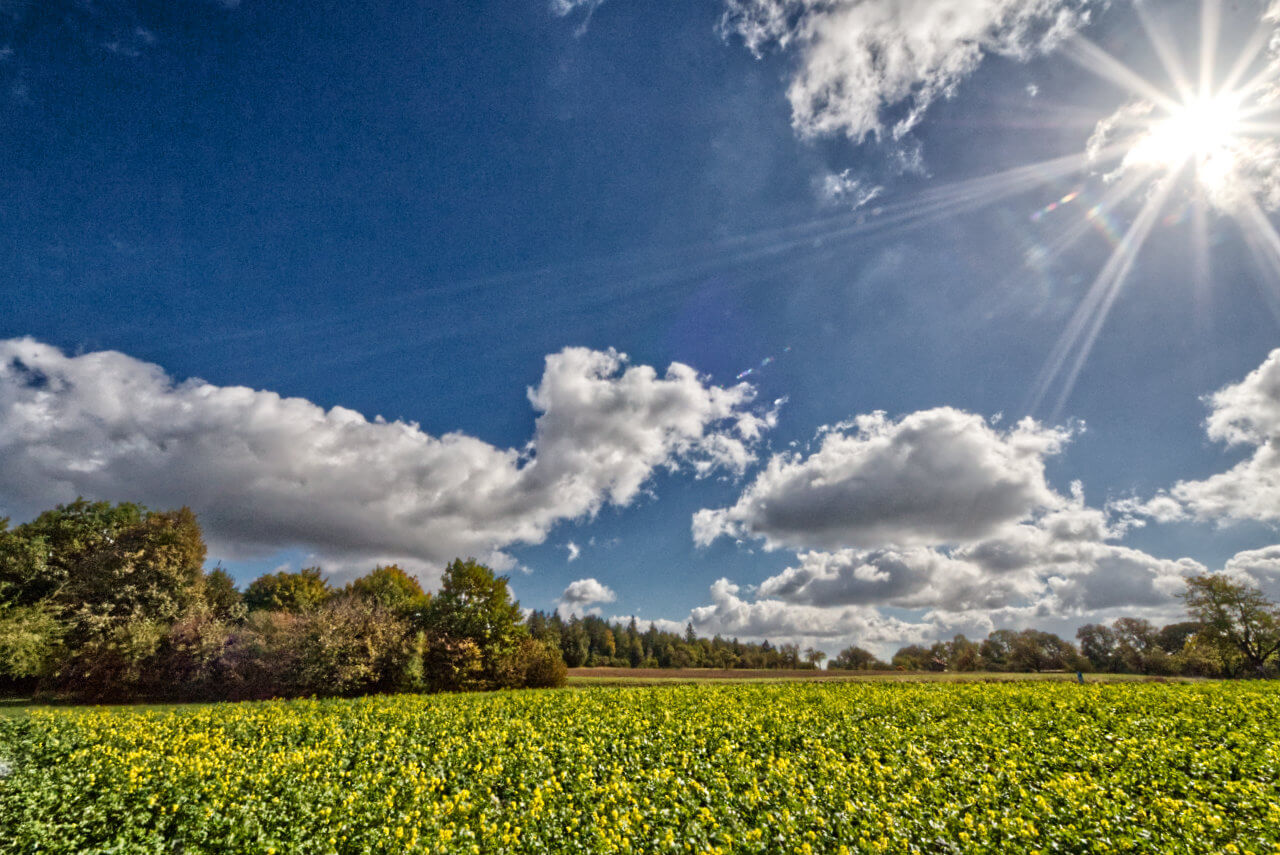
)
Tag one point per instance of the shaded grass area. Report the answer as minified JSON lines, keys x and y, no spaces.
{"x":583,"y":677}
{"x":19,"y":707}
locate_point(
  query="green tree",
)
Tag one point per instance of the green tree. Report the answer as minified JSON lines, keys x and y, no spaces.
{"x":222,"y":596}
{"x":392,"y":588}
{"x":151,"y":571}
{"x":855,"y":658}
{"x":30,"y":643}
{"x":472,"y":624}
{"x":474,"y":604}
{"x":1235,"y":617}
{"x":283,"y":591}
{"x":1098,"y":645}
{"x":814,"y":657}
{"x":38,"y":558}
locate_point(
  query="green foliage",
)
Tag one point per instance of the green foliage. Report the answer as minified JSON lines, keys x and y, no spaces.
{"x":856,"y":659}
{"x":39,"y":557}
{"x":533,"y":664}
{"x":222,"y":596}
{"x":297,"y":592}
{"x":476,"y":605}
{"x":30,"y":642}
{"x":1236,"y":619}
{"x":350,"y":646}
{"x":858,"y":768}
{"x":152,"y":571}
{"x":391,"y":588}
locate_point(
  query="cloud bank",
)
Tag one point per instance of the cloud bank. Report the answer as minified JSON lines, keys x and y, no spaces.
{"x":936,"y":513}
{"x":265,"y":471}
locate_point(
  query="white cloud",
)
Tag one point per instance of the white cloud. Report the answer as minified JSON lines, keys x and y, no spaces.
{"x":265,"y":472}
{"x":574,"y":551}
{"x":563,"y":8}
{"x":867,"y":67}
{"x":730,"y":615}
{"x":1257,"y":567}
{"x":581,"y":595}
{"x":939,"y":514}
{"x":932,"y":477}
{"x":844,"y":188}
{"x":1243,"y":414}
{"x":661,"y":624}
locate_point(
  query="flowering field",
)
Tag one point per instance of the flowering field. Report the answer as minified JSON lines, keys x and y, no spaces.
{"x":699,"y":768}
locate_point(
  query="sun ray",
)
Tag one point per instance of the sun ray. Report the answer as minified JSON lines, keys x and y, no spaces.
{"x":1200,"y":255}
{"x":1166,"y":51}
{"x":1210,"y":23}
{"x":1096,"y":60}
{"x":1112,"y":280}
{"x":1231,"y":83}
{"x":1088,"y":317}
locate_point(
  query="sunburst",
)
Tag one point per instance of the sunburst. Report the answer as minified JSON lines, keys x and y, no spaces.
{"x":1221,"y":135}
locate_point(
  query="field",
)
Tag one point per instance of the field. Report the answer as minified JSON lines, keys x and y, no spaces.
{"x":769,"y":767}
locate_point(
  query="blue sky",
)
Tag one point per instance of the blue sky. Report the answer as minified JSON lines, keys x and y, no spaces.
{"x":222,"y":220}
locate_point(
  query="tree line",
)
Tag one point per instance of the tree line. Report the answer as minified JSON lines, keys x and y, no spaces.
{"x":592,"y":642}
{"x":1233,"y":631}
{"x":112,"y":602}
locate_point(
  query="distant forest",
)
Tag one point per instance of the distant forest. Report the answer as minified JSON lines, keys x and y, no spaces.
{"x":113,"y":602}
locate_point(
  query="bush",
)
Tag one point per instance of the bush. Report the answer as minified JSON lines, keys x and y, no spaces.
{"x":452,"y":664}
{"x":531,"y":664}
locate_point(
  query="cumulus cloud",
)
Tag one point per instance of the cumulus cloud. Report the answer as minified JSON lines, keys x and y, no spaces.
{"x":730,"y":615}
{"x":574,"y":551}
{"x":581,"y":595}
{"x":938,"y":513}
{"x":265,"y":472}
{"x":1257,"y":567}
{"x":871,"y":67}
{"x":1243,"y":414}
{"x":1060,"y":564}
{"x":932,"y":477}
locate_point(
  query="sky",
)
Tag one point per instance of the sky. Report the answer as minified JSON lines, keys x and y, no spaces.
{"x":842,"y":322}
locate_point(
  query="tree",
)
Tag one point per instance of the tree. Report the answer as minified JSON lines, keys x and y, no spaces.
{"x":1034,"y":650}
{"x":30,"y":644}
{"x":913,"y":657}
{"x":1236,"y":618}
{"x":222,"y":596}
{"x":474,"y":604}
{"x":283,"y":591}
{"x":1098,"y":645}
{"x":814,"y":657}
{"x":472,"y":624}
{"x":1174,"y":637}
{"x":856,"y":659}
{"x":391,"y":588}
{"x":151,"y":571}
{"x":37,"y":558}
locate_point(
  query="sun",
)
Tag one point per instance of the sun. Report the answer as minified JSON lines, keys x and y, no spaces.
{"x":1203,"y":132}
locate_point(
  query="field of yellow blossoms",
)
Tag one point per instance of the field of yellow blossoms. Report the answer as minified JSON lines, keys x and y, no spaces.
{"x":783,"y":768}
